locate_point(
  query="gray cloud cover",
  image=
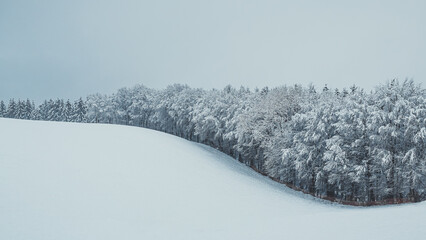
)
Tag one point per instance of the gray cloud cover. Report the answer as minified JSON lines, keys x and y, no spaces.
{"x":68,"y":49}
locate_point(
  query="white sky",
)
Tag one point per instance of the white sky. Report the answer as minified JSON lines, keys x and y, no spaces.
{"x":55,"y":48}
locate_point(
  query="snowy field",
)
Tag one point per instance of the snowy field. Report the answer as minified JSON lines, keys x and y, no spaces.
{"x":85,"y":181}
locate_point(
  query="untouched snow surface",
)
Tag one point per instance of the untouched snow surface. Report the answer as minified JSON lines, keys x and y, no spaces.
{"x":82,"y":181}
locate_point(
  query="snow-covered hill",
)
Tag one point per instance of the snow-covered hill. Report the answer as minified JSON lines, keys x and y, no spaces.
{"x":82,"y":181}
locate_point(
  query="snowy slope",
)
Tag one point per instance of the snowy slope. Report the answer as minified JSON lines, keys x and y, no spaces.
{"x":82,"y":181}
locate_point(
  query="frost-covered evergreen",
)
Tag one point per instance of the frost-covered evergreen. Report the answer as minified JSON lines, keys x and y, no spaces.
{"x":3,"y":109}
{"x":349,"y":146}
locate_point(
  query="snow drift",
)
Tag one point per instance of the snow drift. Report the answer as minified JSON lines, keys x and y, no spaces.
{"x":94,"y":181}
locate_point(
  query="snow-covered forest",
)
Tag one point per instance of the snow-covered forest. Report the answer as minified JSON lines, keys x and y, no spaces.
{"x":347,"y":145}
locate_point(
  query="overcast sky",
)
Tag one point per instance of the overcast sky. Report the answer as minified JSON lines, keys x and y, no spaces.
{"x":54,"y":48}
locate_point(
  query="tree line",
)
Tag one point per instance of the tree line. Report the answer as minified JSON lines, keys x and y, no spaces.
{"x":344,"y":145}
{"x":52,"y":110}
